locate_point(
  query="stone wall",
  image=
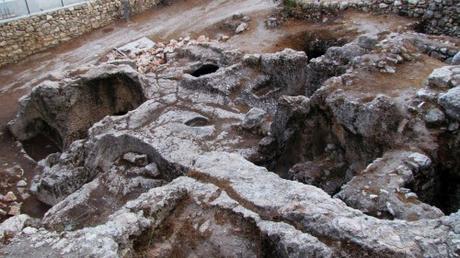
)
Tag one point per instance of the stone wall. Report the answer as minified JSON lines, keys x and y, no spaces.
{"x":437,"y":16}
{"x":22,"y":37}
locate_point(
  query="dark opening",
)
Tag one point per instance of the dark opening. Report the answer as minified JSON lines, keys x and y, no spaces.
{"x":40,"y":147}
{"x":447,"y":197}
{"x":197,"y":122}
{"x":205,"y":69}
{"x":34,"y":208}
{"x":315,"y":43}
{"x":263,"y":89}
{"x":421,"y":26}
{"x":113,"y":95}
{"x":46,"y":142}
{"x":121,"y":113}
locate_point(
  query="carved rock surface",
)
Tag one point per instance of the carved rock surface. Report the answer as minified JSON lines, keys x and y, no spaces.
{"x":174,"y":168}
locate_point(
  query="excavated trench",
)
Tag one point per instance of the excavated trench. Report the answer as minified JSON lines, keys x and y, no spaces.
{"x":198,"y":231}
{"x":320,"y":152}
{"x":55,"y":124}
{"x":315,"y":43}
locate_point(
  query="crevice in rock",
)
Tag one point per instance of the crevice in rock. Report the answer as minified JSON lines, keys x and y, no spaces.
{"x":204,"y":70}
{"x":447,"y":196}
{"x":334,"y":242}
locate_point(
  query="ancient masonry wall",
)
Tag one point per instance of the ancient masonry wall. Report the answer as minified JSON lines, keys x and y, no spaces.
{"x":437,"y":16}
{"x":22,"y":37}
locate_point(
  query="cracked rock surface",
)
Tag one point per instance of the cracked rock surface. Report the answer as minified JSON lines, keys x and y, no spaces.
{"x":220,"y":153}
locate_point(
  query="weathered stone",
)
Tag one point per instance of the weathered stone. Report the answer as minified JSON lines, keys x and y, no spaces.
{"x":456,"y":59}
{"x":66,"y":117}
{"x":444,"y":77}
{"x":254,"y":119}
{"x":434,"y":116}
{"x":13,"y":225}
{"x":241,"y":28}
{"x":173,"y":174}
{"x":136,"y":159}
{"x":450,"y":101}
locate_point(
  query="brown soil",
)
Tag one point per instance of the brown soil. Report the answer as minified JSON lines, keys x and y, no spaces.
{"x":408,"y":76}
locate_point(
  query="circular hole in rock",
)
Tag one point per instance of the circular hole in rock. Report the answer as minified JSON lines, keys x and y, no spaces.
{"x":205,"y":69}
{"x":315,"y":43}
{"x":46,"y":142}
{"x":197,"y":122}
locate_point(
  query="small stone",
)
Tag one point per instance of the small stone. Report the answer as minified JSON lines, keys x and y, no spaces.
{"x":10,"y":197}
{"x":441,"y":78}
{"x":456,"y":59}
{"x":201,"y":38}
{"x":241,"y":28}
{"x":136,"y":159}
{"x":204,"y":227}
{"x":25,"y":196}
{"x":383,"y":191}
{"x":15,"y":210}
{"x":29,"y":230}
{"x":434,"y":116}
{"x":389,"y":69}
{"x":21,"y":183}
{"x":373,"y":196}
{"x":272,"y":22}
{"x":246,"y":18}
{"x":237,"y":16}
{"x":450,"y":101}
{"x":453,"y":126}
{"x":151,"y":170}
{"x":411,"y":195}
{"x":368,"y":41}
{"x":427,"y":94}
{"x":15,"y":171}
{"x":254,"y":118}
